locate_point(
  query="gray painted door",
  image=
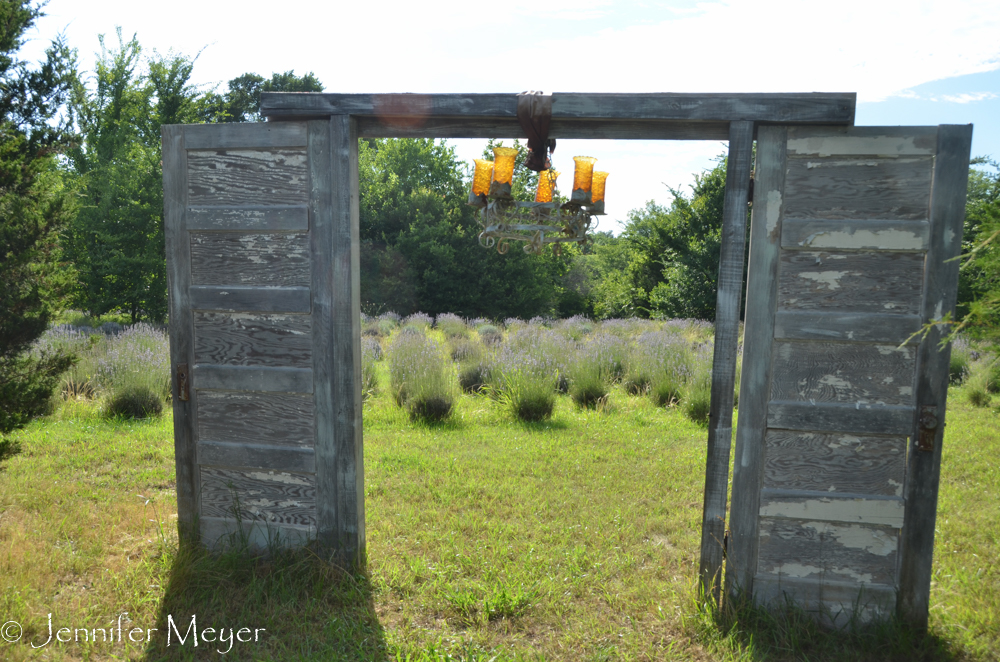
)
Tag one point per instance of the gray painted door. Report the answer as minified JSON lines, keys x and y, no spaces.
{"x":257,"y":313}
{"x":835,"y":485}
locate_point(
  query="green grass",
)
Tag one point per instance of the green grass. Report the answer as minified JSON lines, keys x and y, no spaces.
{"x":575,"y":538}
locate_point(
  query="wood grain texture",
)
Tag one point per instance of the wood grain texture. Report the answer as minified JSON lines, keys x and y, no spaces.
{"x":886,"y":141}
{"x":273,"y":497}
{"x":837,"y":462}
{"x":250,"y":299}
{"x":851,"y":282}
{"x":860,"y":553}
{"x":727,"y":323}
{"x":257,"y":456}
{"x":220,"y":534}
{"x":253,"y":339}
{"x":755,"y":379}
{"x":252,"y":378}
{"x":248,"y":218}
{"x":181,"y":341}
{"x":858,"y":188}
{"x":820,"y":372}
{"x":951,"y":172}
{"x":599,"y":129}
{"x":244,"y":136}
{"x":247,"y":177}
{"x":797,"y":234}
{"x":859,"y":327}
{"x":835,"y":604}
{"x":832,"y":507}
{"x":230,"y":258}
{"x":854,"y":418}
{"x":813,"y":108}
{"x":337,"y":336}
{"x":256,"y":418}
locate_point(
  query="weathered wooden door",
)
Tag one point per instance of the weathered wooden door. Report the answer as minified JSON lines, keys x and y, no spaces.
{"x":841,"y":412}
{"x":262,"y":252}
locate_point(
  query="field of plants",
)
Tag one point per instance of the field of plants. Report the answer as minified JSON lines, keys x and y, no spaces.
{"x":532,"y":491}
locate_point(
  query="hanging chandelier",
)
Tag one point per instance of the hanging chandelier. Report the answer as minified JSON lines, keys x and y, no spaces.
{"x":542,"y":221}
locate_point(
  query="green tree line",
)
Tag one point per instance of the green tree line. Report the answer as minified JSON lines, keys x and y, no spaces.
{"x":81,"y":214}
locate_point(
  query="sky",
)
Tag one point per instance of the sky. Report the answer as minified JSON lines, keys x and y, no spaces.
{"x":911,"y":63}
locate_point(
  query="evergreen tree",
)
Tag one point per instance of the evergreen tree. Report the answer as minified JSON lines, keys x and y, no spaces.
{"x":35,"y":206}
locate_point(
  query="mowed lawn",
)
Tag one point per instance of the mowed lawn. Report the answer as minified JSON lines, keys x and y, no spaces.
{"x":573,"y":539}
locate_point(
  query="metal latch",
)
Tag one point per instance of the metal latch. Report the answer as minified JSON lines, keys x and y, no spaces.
{"x":183,"y":382}
{"x":928,"y":428}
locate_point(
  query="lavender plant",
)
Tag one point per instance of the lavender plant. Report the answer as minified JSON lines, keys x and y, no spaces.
{"x":659,"y":363}
{"x":420,"y":377}
{"x":451,"y":325}
{"x":597,"y":363}
{"x":526,"y":371}
{"x":371,"y":351}
{"x":696,"y":400}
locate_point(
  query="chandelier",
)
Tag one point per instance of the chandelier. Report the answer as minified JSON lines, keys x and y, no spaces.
{"x":543,"y":221}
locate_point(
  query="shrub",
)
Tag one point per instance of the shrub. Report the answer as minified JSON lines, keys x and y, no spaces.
{"x":662,"y":360}
{"x":420,"y":320}
{"x":420,"y":376}
{"x":489,"y":334}
{"x":597,"y":363}
{"x":961,"y":357}
{"x":696,"y":401}
{"x":133,"y":402}
{"x":371,"y":351}
{"x":525,"y":372}
{"x":464,"y":351}
{"x":452,"y":326}
{"x":473,"y":377}
{"x":993,"y":376}
{"x":977,"y":383}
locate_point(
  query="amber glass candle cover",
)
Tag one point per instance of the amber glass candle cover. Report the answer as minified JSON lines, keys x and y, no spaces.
{"x":503,"y":164}
{"x":597,"y":192}
{"x":584,"y":172}
{"x":482,"y":177}
{"x":546,"y":185}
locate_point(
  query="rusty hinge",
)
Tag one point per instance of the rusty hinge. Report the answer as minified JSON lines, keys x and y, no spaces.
{"x":183,"y":382}
{"x":928,"y":423}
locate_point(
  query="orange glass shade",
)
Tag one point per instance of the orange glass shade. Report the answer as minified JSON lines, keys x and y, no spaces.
{"x":482,"y":177}
{"x":584,"y":173}
{"x":503,"y":164}
{"x":546,"y":185}
{"x":597,"y":192}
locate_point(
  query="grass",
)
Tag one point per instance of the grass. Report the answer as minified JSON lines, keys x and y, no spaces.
{"x":575,"y":538}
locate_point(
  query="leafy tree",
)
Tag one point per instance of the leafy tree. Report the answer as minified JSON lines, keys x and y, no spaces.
{"x":241,"y":102}
{"x":117,"y":238}
{"x":35,"y":205}
{"x":979,"y":278}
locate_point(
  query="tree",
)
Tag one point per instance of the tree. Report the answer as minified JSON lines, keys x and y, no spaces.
{"x":979,"y":278}
{"x":117,"y":238}
{"x":241,"y":102}
{"x":35,"y":205}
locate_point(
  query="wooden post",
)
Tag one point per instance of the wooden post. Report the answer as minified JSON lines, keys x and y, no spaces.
{"x":727,"y":324}
{"x":178,"y":249}
{"x":334,"y":212}
{"x":923,"y":471}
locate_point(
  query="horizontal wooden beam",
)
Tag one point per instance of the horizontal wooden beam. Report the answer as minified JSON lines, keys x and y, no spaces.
{"x":257,"y":456}
{"x":857,"y":418}
{"x":218,"y":533}
{"x":859,"y":327}
{"x":248,"y":218}
{"x":244,"y":136}
{"x":837,"y":602}
{"x":606,"y":129}
{"x":253,"y":378}
{"x":240,"y":298}
{"x":573,"y":115}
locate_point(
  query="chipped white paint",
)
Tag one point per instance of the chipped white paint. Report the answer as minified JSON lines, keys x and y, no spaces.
{"x":773,"y":211}
{"x":888,"y":380}
{"x":872,"y":540}
{"x":937,"y":310}
{"x":831,"y":279}
{"x":870,"y":511}
{"x":888,"y":306}
{"x":898,"y":486}
{"x":886,"y":146}
{"x":843,"y":440}
{"x":835,"y":381}
{"x":899,"y":240}
{"x":949,"y":236}
{"x":280,"y":477}
{"x":906,"y":390}
{"x":886,"y":350}
{"x":838,"y":164}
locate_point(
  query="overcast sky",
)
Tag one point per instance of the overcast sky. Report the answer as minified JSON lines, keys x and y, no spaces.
{"x":910,"y":62}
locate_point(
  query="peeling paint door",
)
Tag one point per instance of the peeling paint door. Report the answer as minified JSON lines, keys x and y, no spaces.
{"x":841,"y":408}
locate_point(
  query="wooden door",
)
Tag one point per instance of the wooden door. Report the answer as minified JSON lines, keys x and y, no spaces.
{"x":261,"y":232}
{"x":841,"y":411}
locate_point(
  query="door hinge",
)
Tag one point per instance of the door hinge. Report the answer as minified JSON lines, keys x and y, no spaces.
{"x":928,"y":424}
{"x":183,"y":383}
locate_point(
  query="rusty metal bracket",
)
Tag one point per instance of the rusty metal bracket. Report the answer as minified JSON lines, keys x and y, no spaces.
{"x":928,"y":424}
{"x":183,"y":382}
